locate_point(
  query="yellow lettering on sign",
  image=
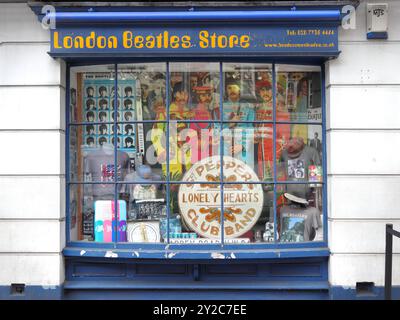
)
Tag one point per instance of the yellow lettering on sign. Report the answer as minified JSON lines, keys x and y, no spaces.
{"x":186,"y":44}
{"x":79,"y":42}
{"x":174,"y":41}
{"x":127,"y":39}
{"x":91,"y":41}
{"x":56,"y":45}
{"x":150,"y":42}
{"x":222,"y":41}
{"x":203,"y":39}
{"x":138,"y":42}
{"x":112,"y":42}
{"x":245,"y":41}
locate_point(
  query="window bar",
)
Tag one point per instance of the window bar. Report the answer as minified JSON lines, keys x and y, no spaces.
{"x":324,"y":160}
{"x":274,"y":150}
{"x":221,"y":147}
{"x":196,"y":121}
{"x":116,"y":206}
{"x":167,"y":88}
{"x":201,"y":182}
{"x":67,"y":155}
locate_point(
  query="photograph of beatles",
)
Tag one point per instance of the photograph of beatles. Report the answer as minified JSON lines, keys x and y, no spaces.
{"x":103,"y":129}
{"x":129,"y":142}
{"x":118,"y":141}
{"x":89,"y":92}
{"x":103,"y":116}
{"x":118,"y":128}
{"x":103,"y":104}
{"x":102,"y":140}
{"x":128,"y":92}
{"x":118,"y":116}
{"x":90,"y":141}
{"x":128,"y":116}
{"x":128,"y":104}
{"x":90,"y":104}
{"x":90,"y":117}
{"x":128,"y":129}
{"x":113,"y":92}
{"x":103,"y":92}
{"x":90,"y":129}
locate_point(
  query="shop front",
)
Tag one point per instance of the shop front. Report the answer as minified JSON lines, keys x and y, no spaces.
{"x":195,"y":149}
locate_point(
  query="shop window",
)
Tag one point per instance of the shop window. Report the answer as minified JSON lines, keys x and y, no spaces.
{"x":195,"y":153}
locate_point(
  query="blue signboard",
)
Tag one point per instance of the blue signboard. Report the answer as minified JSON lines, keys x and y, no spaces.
{"x":256,"y":40}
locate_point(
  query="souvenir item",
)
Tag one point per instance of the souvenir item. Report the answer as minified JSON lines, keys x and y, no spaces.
{"x":98,"y":105}
{"x":175,"y":226}
{"x":144,"y":231}
{"x":105,"y":224}
{"x":147,"y":209}
{"x":299,"y":222}
{"x":268,"y":235}
{"x":315,"y":173}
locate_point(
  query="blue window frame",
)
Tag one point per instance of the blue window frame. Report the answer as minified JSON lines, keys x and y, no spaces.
{"x":188,"y":251}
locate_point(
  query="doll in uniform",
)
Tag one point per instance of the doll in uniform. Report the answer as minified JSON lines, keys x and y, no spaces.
{"x":264,"y":134}
{"x":238,"y":137}
{"x":179,"y":154}
{"x":202,"y":135}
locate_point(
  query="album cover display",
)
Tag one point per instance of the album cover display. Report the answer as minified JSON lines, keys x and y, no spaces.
{"x":98,"y":106}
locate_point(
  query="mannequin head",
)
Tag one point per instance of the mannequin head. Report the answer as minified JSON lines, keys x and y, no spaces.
{"x":204,"y":95}
{"x":180,"y":94}
{"x":233,"y":90}
{"x":295,"y":146}
{"x":264,"y":90}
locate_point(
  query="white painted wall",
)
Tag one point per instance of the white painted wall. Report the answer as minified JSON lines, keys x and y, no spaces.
{"x":32,"y":210}
{"x":363,"y":104}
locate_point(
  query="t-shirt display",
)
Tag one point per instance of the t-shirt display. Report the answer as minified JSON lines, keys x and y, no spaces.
{"x":296,"y":166}
{"x":298,"y":223}
{"x":99,"y":164}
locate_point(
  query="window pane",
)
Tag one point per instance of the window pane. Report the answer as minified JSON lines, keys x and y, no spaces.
{"x":299,"y":158}
{"x":247,"y":97}
{"x":146,"y":208}
{"x":190,"y":145}
{"x":194,"y":91}
{"x":298,"y":93}
{"x":196,"y":209}
{"x":300,"y":219}
{"x":91,"y":87}
{"x":141,"y":90}
{"x":248,"y":213}
{"x":91,"y":213}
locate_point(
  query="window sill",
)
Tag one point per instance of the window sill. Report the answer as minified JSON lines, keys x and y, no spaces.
{"x":193,"y":254}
